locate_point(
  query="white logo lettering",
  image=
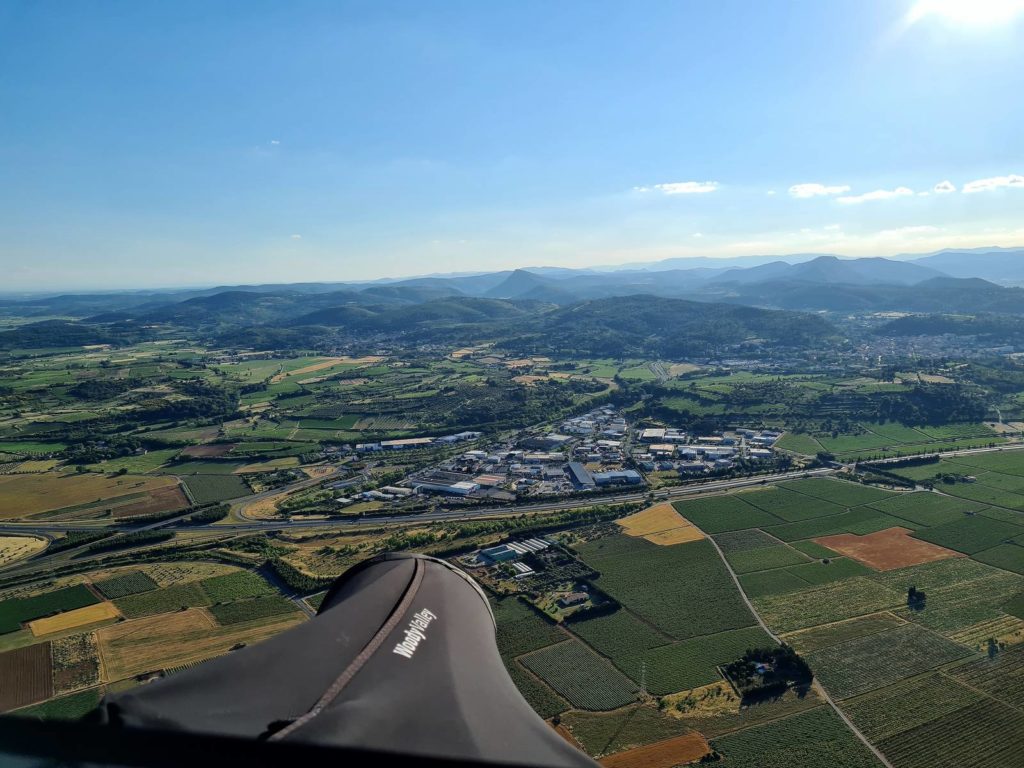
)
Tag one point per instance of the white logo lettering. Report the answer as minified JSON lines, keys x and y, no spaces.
{"x":415,"y":633}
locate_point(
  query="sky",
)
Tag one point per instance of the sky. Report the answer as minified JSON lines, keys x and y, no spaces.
{"x":201,"y":143}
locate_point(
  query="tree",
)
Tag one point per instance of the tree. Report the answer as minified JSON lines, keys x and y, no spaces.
{"x":916,"y":599}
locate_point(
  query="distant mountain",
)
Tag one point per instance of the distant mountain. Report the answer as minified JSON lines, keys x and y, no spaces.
{"x":833,"y":270}
{"x":1004,"y":265}
{"x":670,"y":328}
{"x":436,"y":314}
{"x":940,"y":294}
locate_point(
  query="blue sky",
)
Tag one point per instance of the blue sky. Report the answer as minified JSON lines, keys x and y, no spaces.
{"x":146,"y":144}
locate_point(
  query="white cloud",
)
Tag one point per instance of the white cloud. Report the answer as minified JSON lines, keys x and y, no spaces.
{"x":682,"y":187}
{"x":983,"y":185}
{"x":833,"y":227}
{"x":944,"y":188}
{"x":296,"y":237}
{"x":698,"y":234}
{"x":878,"y":194}
{"x":915,"y":231}
{"x":771,"y":192}
{"x":816,"y":190}
{"x":274,"y":141}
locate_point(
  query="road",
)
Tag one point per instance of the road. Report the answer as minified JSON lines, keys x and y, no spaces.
{"x":948,"y":454}
{"x":473,"y":513}
{"x":817,"y":685}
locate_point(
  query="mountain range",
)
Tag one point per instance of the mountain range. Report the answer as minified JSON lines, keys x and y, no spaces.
{"x":947,"y":281}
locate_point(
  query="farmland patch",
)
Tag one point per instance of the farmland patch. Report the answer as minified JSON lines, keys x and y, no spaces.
{"x":661,"y":525}
{"x":76,"y":619}
{"x":717,"y":514}
{"x":702,"y":598}
{"x":888,"y":549}
{"x":580,"y":676}
{"x":813,"y":739}
{"x":834,"y":602}
{"x":865,"y":663}
{"x":25,"y":676}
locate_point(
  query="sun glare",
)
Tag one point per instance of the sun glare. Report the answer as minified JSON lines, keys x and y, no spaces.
{"x":968,"y":12}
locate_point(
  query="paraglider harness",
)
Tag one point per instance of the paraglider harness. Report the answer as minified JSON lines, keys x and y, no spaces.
{"x":400,"y":663}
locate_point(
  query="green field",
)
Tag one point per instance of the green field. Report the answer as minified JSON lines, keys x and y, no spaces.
{"x":692,"y":663}
{"x":1009,"y":557}
{"x":926,"y":509}
{"x":701,"y":600}
{"x":254,"y":608}
{"x":717,"y":514}
{"x":207,"y":489}
{"x":842,"y":493}
{"x":621,"y":637}
{"x":74,"y":706}
{"x":125,"y":584}
{"x":970,"y":534}
{"x":983,"y":734}
{"x":235,"y":586}
{"x":813,"y":739}
{"x":887,"y":712}
{"x":765,"y":558}
{"x":544,"y":701}
{"x":742,"y":541}
{"x":865,"y":663}
{"x":791,"y":506}
{"x":14,"y":612}
{"x":520,"y":629}
{"x":580,"y":676}
{"x":834,"y":602}
{"x":189,"y":595}
{"x":826,"y":636}
{"x":799,"y":443}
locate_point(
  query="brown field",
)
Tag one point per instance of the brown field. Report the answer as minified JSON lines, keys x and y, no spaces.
{"x":160,"y":500}
{"x":566,"y":734}
{"x":213,"y":450}
{"x":318,"y":470}
{"x":76,"y":619}
{"x":661,"y":525}
{"x":661,"y":754}
{"x":174,"y":639}
{"x":19,"y":547}
{"x":888,"y":549}
{"x":25,"y":495}
{"x":26,"y":676}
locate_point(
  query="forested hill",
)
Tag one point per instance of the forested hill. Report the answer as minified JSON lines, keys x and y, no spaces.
{"x":670,"y":328}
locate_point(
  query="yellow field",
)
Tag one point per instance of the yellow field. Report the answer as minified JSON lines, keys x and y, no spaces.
{"x":24,"y":495}
{"x":38,"y":465}
{"x":661,"y":525}
{"x":680,"y":535}
{"x":327,"y":363}
{"x":19,"y":547}
{"x":80,"y":617}
{"x":173,"y":639}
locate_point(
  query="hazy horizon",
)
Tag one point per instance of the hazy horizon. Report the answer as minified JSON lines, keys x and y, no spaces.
{"x":191,"y":144}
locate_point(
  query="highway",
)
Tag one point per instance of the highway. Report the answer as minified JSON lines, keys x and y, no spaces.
{"x":473,"y":513}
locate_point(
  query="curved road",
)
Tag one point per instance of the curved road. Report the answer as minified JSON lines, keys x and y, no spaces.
{"x":817,"y":685}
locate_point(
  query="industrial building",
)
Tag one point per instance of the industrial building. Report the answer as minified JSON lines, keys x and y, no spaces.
{"x":581,"y":476}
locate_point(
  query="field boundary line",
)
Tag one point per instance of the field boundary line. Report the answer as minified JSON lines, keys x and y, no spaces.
{"x":817,"y":684}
